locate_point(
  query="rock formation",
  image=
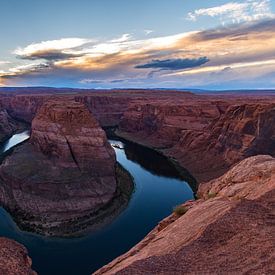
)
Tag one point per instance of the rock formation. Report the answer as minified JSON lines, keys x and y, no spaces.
{"x":64,"y":178}
{"x":14,"y":259}
{"x":230,"y":229}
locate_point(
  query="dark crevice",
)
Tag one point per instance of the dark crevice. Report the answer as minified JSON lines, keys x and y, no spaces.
{"x":72,"y":154}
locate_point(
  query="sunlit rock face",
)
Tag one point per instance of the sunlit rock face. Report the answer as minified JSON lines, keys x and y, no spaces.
{"x":64,"y":176}
{"x":233,"y":217}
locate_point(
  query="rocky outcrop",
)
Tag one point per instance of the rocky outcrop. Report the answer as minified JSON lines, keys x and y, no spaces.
{"x":14,"y":259}
{"x":229,"y":230}
{"x":63,"y":181}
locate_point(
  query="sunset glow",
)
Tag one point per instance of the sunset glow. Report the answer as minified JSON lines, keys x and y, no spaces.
{"x":221,"y":40}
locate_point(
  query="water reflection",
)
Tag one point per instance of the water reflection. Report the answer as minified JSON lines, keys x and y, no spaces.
{"x":157,"y":190}
{"x":14,"y":140}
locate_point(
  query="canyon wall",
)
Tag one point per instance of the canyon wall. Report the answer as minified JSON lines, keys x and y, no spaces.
{"x":108,"y":110}
{"x":229,"y":230}
{"x":205,"y":136}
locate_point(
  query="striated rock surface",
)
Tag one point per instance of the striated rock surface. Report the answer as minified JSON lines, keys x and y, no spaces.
{"x":64,"y":179}
{"x":14,"y":259}
{"x":230,"y":230}
{"x":107,"y":109}
{"x":205,"y":136}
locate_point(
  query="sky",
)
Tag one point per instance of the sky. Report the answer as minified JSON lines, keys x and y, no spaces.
{"x":138,"y":44}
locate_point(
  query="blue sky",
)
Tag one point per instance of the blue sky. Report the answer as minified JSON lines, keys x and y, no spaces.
{"x":148,"y":44}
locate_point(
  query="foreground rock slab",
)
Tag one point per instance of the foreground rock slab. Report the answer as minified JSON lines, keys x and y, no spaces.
{"x":230,"y":230}
{"x":14,"y":259}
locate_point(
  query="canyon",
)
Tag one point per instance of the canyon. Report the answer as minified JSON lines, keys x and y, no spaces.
{"x":225,"y":142}
{"x":14,"y":259}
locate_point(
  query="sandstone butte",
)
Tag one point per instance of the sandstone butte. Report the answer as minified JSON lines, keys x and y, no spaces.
{"x":229,"y":229}
{"x":58,"y":182}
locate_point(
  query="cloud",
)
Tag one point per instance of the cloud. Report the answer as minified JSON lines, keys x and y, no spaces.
{"x":174,"y":64}
{"x":90,"y":81}
{"x":147,"y":31}
{"x":236,"y":12}
{"x":2,"y":62}
{"x":53,"y":49}
{"x":124,"y":38}
{"x":181,"y":59}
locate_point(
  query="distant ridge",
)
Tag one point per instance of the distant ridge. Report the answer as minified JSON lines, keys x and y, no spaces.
{"x":57,"y":90}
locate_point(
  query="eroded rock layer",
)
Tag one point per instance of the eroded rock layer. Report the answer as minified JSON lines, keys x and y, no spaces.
{"x":230,"y":230}
{"x":64,"y":176}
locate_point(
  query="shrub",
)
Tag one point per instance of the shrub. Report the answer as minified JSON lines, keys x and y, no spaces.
{"x":211,"y":195}
{"x":180,"y":210}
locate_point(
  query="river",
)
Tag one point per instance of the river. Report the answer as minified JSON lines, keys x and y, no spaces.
{"x":158,"y":188}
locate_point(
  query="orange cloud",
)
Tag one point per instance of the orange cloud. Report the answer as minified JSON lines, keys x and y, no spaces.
{"x":237,"y":47}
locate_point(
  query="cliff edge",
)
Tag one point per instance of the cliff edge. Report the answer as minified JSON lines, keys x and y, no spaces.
{"x":229,"y":230}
